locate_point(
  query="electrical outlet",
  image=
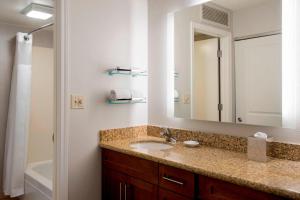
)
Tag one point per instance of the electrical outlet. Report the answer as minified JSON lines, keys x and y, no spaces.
{"x":77,"y":102}
{"x":186,"y":99}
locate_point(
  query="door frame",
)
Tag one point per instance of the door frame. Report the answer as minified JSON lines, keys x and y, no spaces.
{"x":226,"y":65}
{"x":61,"y":135}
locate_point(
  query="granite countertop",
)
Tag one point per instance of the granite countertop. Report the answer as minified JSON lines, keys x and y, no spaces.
{"x":280,"y":177}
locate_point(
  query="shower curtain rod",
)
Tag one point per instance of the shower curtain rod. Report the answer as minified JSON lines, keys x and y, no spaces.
{"x":40,"y":28}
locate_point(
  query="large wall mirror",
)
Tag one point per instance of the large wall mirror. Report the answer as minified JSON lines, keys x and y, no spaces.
{"x":228,"y":62}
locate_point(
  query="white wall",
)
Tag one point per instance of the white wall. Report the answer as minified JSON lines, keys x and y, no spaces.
{"x":158,"y":11}
{"x":102,"y":34}
{"x":40,"y":145}
{"x":261,"y":18}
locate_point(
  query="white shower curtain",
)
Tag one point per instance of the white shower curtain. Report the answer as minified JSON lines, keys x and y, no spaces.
{"x":18,"y":119}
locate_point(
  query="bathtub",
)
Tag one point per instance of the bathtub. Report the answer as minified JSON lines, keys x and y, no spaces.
{"x":38,"y":181}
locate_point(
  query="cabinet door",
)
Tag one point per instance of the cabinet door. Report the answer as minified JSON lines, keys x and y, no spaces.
{"x":140,"y":190}
{"x":114,"y":185}
{"x":213,"y":189}
{"x":168,"y":195}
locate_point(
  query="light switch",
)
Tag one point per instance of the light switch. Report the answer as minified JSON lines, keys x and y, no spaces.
{"x":77,"y":102}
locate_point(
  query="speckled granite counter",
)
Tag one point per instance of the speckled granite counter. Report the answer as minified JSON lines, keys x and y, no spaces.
{"x":280,"y":177}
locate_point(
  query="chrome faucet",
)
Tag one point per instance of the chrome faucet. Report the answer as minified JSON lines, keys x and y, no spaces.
{"x":166,"y":133}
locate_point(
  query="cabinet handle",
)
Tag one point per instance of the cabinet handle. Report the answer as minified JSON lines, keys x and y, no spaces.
{"x":240,"y":119}
{"x":172,"y":180}
{"x":125,"y":191}
{"x":120,"y":191}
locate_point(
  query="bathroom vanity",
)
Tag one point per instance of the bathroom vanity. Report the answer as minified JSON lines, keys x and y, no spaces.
{"x":127,"y":177}
{"x":138,"y":164}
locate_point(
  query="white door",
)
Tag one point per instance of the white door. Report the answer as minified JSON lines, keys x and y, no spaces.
{"x":258,"y":81}
{"x":205,"y":93}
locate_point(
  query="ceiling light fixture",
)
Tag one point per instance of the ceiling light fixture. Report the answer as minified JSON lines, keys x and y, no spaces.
{"x":38,"y":11}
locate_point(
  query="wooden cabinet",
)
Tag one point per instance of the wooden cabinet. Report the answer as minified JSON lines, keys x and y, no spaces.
{"x":113,"y":185}
{"x":213,"y":189}
{"x":138,"y":189}
{"x":177,"y":180}
{"x":169,"y":195}
{"x":119,"y":186}
{"x":136,"y":167}
{"x":130,"y":178}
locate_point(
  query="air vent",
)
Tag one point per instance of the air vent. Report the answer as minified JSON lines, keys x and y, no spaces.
{"x":212,"y":14}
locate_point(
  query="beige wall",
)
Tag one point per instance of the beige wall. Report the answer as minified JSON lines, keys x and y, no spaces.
{"x":7,"y":47}
{"x":40,"y":145}
{"x":262,"y":18}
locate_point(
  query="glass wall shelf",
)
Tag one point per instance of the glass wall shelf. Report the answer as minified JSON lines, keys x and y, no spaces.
{"x":176,"y":100}
{"x":112,"y":72}
{"x":109,"y":101}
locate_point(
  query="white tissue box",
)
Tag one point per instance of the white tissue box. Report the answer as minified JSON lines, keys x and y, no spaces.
{"x":257,"y":149}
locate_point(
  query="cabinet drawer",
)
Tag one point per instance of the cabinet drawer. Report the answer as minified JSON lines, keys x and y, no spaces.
{"x":168,"y":195}
{"x":213,"y":189}
{"x":130,"y":165}
{"x":177,"y":180}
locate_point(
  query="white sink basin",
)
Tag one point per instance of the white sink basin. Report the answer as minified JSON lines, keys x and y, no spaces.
{"x":151,"y":145}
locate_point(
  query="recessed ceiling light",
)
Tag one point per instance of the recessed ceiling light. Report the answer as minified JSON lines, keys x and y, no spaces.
{"x":38,"y":11}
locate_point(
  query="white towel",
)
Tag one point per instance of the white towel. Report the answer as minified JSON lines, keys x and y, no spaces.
{"x":138,"y":70}
{"x":176,"y":94}
{"x":120,"y":94}
{"x":137,"y":95}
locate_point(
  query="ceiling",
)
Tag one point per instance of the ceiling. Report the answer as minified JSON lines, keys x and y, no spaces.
{"x":10,"y":13}
{"x":239,"y":4}
{"x":10,"y":10}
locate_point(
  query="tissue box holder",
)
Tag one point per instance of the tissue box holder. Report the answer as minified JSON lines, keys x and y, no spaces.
{"x":257,"y":149}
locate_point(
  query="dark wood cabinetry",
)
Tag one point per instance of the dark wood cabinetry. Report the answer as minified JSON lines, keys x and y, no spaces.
{"x":169,"y":195}
{"x":130,"y":165}
{"x":114,"y":185}
{"x":130,"y":178}
{"x":138,"y":189}
{"x":119,"y":186}
{"x":213,"y":189}
{"x":177,"y":180}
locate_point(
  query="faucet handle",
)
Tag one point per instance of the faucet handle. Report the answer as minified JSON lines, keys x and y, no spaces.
{"x":163,"y":132}
{"x":173,"y":140}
